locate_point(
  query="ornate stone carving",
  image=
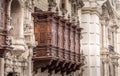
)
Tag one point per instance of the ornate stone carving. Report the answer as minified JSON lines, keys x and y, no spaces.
{"x":14,"y":63}
{"x":79,"y":3}
{"x":51,"y":4}
{"x":29,"y":4}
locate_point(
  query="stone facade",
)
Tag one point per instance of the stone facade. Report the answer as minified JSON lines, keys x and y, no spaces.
{"x":100,"y":43}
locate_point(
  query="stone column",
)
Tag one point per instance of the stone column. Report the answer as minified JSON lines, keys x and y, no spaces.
{"x":116,"y":71}
{"x":104,"y":37}
{"x":30,"y":65}
{"x":91,"y":41}
{"x":1,"y":66}
{"x":118,"y":47}
{"x":115,"y":38}
{"x":90,"y":22}
{"x":106,"y":69}
{"x":21,"y":29}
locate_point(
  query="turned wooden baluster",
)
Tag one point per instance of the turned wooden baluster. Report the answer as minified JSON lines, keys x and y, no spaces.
{"x":78,"y":50}
{"x":60,"y":39}
{"x":72,"y":42}
{"x":66,"y":41}
{"x":74,"y":33}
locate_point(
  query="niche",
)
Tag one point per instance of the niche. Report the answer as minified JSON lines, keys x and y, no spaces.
{"x":16,"y":18}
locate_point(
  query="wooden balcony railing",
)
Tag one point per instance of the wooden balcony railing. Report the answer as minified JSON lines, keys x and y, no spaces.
{"x":58,"y":43}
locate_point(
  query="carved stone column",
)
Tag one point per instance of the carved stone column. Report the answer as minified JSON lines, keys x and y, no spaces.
{"x":105,"y":63}
{"x":115,"y":27}
{"x":103,"y":36}
{"x":106,"y":69}
{"x":116,"y":71}
{"x":21,"y":31}
{"x":30,"y":64}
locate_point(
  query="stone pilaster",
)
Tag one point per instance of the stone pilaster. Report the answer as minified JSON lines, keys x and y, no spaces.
{"x":91,"y":37}
{"x":104,"y":37}
{"x":115,"y":27}
{"x":1,"y":66}
{"x":106,"y":68}
{"x":118,"y":48}
{"x":90,"y":42}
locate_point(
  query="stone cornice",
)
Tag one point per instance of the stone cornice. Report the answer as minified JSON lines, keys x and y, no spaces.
{"x":91,"y":10}
{"x":112,"y":11}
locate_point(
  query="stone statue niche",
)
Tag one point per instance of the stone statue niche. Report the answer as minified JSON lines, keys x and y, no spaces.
{"x":15,"y":18}
{"x":16,"y":31}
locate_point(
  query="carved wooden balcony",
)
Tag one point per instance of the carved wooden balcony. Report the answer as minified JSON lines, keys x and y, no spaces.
{"x":58,"y":42}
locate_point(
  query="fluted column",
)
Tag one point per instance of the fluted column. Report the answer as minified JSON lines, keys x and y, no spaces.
{"x":21,"y":31}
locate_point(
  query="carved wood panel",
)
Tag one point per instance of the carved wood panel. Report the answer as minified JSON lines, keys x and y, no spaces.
{"x":63,"y":35}
{"x":74,"y":39}
{"x":71,"y":40}
{"x":54,"y":34}
{"x":76,"y":43}
{"x":66,"y":38}
{"x":60,"y":36}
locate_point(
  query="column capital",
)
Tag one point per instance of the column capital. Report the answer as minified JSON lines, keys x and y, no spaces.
{"x":93,"y":6}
